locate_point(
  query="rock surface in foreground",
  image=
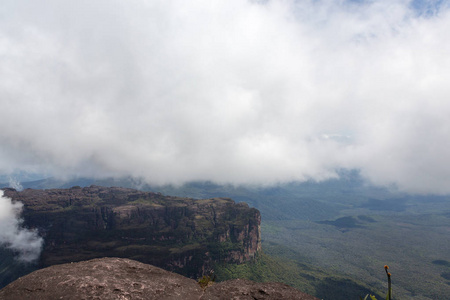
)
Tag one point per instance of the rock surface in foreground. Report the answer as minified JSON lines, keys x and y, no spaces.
{"x":117,"y":278}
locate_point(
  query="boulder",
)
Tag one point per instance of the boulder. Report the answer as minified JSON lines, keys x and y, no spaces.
{"x":119,"y":278}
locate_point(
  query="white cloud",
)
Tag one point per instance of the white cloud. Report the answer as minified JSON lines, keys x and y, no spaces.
{"x":231,"y":91}
{"x":26,"y":243}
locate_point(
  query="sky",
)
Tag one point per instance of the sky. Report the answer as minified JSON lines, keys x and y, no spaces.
{"x":236,"y":91}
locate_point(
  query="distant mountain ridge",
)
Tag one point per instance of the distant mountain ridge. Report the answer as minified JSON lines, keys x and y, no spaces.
{"x":275,"y":202}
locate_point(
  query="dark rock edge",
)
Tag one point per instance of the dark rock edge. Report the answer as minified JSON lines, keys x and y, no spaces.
{"x":119,"y":278}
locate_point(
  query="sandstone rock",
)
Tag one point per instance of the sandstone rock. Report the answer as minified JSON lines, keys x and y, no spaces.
{"x":106,"y":278}
{"x":116,"y":278}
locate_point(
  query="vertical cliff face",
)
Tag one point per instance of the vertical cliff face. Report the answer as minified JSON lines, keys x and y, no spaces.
{"x":179,"y":234}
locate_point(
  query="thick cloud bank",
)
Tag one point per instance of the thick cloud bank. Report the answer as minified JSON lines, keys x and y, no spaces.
{"x":26,"y":243}
{"x":230,"y":91}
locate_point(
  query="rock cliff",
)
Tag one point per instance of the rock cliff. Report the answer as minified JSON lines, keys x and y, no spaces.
{"x":178,"y":234}
{"x":115,"y":278}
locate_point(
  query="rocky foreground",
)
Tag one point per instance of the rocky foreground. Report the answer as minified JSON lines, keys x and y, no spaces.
{"x":119,"y":278}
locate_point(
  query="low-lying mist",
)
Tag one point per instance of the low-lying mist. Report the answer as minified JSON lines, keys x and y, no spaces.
{"x":25,"y":242}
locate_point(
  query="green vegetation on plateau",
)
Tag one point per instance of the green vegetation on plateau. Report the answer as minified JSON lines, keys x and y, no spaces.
{"x":351,"y":230}
{"x":307,"y":278}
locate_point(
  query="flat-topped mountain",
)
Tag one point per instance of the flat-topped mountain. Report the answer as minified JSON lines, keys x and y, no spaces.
{"x":178,"y":234}
{"x":116,"y":278}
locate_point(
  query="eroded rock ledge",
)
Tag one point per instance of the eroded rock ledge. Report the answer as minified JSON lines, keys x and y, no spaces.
{"x":118,"y":278}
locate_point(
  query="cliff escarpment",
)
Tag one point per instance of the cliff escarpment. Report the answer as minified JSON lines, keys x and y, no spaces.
{"x":183,"y":235}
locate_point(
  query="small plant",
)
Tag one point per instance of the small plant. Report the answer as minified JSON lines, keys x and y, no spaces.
{"x":389,"y":293}
{"x":207,"y":280}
